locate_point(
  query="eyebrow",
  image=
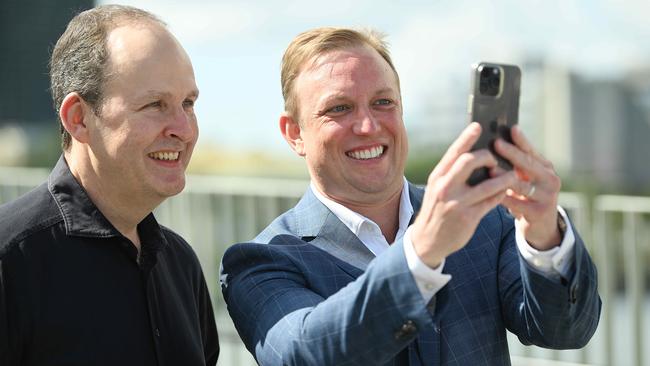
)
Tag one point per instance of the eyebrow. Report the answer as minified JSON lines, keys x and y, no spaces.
{"x":152,"y":94}
{"x":332,"y":98}
{"x":385,"y":90}
{"x":341,"y":96}
{"x":194,"y":93}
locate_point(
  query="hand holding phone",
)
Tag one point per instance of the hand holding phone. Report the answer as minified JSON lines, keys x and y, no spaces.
{"x":494,"y":104}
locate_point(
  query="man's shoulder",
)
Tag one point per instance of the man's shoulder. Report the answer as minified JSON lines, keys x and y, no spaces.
{"x":279,"y":251}
{"x":27,"y":215}
{"x":282,"y":235}
{"x":177,"y":243}
{"x":284,"y":225}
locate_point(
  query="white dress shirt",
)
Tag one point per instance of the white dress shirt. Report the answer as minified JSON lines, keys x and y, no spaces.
{"x":553,"y":262}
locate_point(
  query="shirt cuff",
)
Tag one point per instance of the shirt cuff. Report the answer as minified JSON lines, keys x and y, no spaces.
{"x":552,"y":262}
{"x":429,"y":280}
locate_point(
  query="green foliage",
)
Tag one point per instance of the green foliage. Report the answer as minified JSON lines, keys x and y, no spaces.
{"x":45,"y":148}
{"x":420,"y":164}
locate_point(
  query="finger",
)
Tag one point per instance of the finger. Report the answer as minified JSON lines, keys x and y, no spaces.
{"x":461,"y":145}
{"x":467,"y":163}
{"x":515,"y":205}
{"x":525,"y":190}
{"x":521,"y":141}
{"x":497,"y":171}
{"x":526,"y":162}
{"x":524,"y":144}
{"x":490,"y":188}
{"x":484,"y":206}
{"x":519,"y":208}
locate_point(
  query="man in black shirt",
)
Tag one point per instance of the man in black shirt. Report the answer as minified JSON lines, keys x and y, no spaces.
{"x":87,"y":276}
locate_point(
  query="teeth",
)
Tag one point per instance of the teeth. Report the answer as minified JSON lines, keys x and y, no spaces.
{"x":366,"y":154}
{"x":164,"y":155}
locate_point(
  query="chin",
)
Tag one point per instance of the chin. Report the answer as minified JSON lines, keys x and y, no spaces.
{"x":372,"y":187}
{"x":378,"y":184}
{"x":169,"y":189}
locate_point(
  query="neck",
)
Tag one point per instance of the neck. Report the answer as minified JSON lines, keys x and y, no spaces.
{"x":384,"y":213}
{"x":122,"y":213}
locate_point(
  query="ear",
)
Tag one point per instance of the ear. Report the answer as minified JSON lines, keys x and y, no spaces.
{"x":73,"y":112}
{"x":292,"y":133}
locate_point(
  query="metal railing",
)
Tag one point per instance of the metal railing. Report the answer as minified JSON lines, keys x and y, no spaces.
{"x":215,"y":212}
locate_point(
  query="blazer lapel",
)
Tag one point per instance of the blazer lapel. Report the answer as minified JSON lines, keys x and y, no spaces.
{"x":317,"y":225}
{"x":336,"y":239}
{"x":415,"y":195}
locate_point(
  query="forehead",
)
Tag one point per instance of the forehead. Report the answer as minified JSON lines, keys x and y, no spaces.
{"x":356,"y":69}
{"x":145,"y":57}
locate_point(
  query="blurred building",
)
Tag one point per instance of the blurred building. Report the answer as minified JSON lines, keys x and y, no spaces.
{"x":28,"y":32}
{"x":593,"y":130}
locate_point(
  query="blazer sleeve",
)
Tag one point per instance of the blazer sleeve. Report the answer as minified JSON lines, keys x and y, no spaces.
{"x":551,"y":313}
{"x":283,"y":321}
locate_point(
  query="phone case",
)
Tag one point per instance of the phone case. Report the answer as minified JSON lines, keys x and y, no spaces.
{"x":496,"y":113}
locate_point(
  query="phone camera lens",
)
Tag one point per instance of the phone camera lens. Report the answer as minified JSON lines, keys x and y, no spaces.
{"x":490,"y":80}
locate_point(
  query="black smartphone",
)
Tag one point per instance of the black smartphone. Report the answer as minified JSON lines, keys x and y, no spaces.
{"x":494,"y":103}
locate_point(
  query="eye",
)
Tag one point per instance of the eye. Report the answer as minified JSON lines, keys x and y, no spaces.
{"x":383,"y":102}
{"x":339,"y":109}
{"x":156,"y":104}
{"x":188,"y":103}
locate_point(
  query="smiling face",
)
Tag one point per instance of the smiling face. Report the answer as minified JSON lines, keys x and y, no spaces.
{"x":351,"y":130}
{"x":141,"y":140}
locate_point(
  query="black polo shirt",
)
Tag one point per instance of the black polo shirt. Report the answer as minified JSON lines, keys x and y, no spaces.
{"x":73,"y":293}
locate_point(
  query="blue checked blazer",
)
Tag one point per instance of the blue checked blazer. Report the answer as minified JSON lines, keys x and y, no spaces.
{"x":306,"y":291}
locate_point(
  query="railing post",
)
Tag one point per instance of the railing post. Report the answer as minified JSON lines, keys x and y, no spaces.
{"x":633,"y":283}
{"x":603,"y":262}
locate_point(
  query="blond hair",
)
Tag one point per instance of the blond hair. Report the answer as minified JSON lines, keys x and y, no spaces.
{"x":318,"y":41}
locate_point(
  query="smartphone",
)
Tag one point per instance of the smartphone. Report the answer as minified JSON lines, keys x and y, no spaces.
{"x":494,"y":103}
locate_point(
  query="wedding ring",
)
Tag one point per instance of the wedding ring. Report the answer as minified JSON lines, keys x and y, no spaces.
{"x":531,"y":191}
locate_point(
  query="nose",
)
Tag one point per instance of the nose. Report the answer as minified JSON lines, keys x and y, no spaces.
{"x":182,"y":125}
{"x":366,"y":123}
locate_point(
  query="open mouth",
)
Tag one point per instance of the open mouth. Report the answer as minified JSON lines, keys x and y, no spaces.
{"x":366,"y":154}
{"x":165,"y":155}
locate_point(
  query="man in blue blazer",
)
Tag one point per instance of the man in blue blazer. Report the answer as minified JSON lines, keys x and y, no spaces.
{"x":368,"y":269}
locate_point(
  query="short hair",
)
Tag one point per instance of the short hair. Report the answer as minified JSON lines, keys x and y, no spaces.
{"x":79,"y":58}
{"x":319,"y":41}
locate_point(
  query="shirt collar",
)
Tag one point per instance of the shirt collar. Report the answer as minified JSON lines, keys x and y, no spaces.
{"x":80,"y":215}
{"x":355,"y":221}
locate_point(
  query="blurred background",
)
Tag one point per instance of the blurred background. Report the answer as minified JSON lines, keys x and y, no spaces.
{"x":585,"y":104}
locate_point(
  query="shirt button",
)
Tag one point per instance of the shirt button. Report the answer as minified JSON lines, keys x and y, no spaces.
{"x":157,"y":332}
{"x":537,"y":262}
{"x":429,"y":286}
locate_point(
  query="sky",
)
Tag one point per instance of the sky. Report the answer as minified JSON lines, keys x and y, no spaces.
{"x":236,"y":48}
